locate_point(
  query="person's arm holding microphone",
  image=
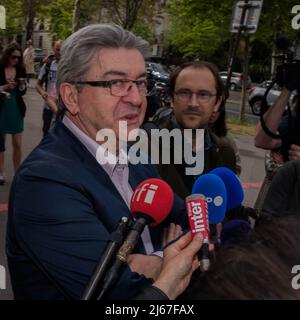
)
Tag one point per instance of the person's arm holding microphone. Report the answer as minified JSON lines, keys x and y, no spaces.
{"x":179,"y":262}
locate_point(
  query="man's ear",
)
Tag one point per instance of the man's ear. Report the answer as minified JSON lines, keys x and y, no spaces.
{"x":172,"y":103}
{"x":69,"y":96}
{"x":217,"y":105}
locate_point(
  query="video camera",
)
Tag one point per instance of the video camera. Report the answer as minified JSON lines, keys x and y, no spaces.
{"x":287,"y":75}
{"x":288,"y":71}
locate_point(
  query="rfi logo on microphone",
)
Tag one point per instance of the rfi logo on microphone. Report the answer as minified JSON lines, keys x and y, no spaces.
{"x":150,"y":190}
{"x":2,"y":278}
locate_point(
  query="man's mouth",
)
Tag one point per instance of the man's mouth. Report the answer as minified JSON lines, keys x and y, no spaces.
{"x":130,"y":118}
{"x":192,"y":113}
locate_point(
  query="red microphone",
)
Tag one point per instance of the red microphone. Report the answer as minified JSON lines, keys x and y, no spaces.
{"x":151,"y":203}
{"x":196,"y":207}
{"x":153,"y":200}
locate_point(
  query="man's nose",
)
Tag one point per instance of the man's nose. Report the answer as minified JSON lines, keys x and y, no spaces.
{"x":194,"y":100}
{"x":133,"y":96}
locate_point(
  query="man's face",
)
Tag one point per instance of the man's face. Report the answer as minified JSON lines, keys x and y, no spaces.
{"x":98,"y":109}
{"x":56,"y":50}
{"x":194,"y":113}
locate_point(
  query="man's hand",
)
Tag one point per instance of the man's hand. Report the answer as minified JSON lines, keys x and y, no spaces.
{"x":171,"y":234}
{"x":149,"y":266}
{"x":179,"y":263}
{"x":294,"y":152}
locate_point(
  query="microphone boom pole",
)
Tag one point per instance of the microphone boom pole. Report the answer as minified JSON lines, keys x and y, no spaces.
{"x":121,"y":257}
{"x":114,"y":242}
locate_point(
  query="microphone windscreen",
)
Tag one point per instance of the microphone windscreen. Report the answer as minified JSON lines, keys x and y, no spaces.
{"x":153,"y":198}
{"x":234,"y":231}
{"x":213,"y":188}
{"x":234,"y":188}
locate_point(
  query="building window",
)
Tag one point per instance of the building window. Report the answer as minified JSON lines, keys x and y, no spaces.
{"x":42,"y":27}
{"x":40,"y":41}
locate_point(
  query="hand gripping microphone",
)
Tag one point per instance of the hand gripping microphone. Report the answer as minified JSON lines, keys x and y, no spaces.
{"x":210,"y":192}
{"x":150,"y":204}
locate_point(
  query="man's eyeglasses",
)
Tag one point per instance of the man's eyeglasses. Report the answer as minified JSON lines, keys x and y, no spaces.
{"x":186,"y":95}
{"x":15,"y":57}
{"x":121,"y":87}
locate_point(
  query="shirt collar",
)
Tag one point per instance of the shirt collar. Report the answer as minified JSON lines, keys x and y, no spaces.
{"x":106,"y":159}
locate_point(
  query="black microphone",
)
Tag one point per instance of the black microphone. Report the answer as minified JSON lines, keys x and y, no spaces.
{"x":147,"y":208}
{"x":115,"y":240}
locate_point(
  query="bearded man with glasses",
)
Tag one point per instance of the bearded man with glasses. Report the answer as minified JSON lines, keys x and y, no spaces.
{"x":64,"y":202}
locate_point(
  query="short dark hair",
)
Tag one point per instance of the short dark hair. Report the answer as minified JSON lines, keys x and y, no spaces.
{"x":8,"y":50}
{"x":197,"y":65}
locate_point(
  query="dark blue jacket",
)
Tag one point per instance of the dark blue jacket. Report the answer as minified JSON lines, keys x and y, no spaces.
{"x":62,"y":208}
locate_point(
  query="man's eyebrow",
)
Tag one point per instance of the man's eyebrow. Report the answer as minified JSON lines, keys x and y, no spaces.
{"x":183,"y":89}
{"x":122,"y":74}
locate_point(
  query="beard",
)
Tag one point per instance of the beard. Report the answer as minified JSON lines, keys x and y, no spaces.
{"x":193,"y":119}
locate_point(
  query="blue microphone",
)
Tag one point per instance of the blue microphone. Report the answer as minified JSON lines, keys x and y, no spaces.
{"x":235,"y":192}
{"x":213,"y":188}
{"x":235,"y":195}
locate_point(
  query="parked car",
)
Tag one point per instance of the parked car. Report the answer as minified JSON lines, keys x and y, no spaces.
{"x":256,"y":95}
{"x":39,"y":55}
{"x":156,"y":72}
{"x":236,"y":80}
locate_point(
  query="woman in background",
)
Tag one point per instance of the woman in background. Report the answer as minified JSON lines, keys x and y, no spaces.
{"x":12,"y":110}
{"x":28,"y":57}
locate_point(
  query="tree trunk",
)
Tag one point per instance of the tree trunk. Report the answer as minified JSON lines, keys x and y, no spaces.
{"x":76,"y":16}
{"x":125,"y":12}
{"x":245,"y":79}
{"x":29,"y":19}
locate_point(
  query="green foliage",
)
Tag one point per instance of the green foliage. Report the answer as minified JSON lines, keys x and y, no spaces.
{"x":143,"y":29}
{"x":275,"y":19}
{"x":198,"y":28}
{"x":15,"y":19}
{"x":143,"y":25}
{"x":60,"y":13}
